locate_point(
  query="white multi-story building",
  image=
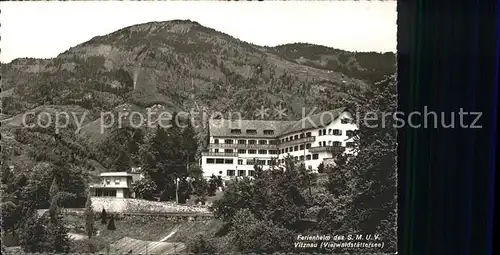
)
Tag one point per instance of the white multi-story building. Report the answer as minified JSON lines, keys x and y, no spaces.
{"x":235,"y":146}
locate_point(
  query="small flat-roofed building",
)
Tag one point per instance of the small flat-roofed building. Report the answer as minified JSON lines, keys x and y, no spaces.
{"x":115,"y":184}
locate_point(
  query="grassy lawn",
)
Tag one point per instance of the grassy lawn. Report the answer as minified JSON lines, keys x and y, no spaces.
{"x":139,"y":228}
{"x":209,"y":200}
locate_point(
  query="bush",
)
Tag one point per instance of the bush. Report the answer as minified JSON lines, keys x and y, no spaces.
{"x":200,"y":244}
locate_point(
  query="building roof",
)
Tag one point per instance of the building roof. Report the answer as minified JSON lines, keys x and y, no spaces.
{"x":113,"y":174}
{"x":318,"y":120}
{"x":223,"y":127}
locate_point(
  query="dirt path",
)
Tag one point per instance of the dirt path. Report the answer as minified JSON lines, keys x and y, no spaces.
{"x":170,"y":234}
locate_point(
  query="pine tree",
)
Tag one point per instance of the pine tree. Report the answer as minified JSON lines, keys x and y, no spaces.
{"x":104,"y":216}
{"x":111,"y":223}
{"x":89,"y":217}
{"x":57,"y":235}
{"x":189,"y":143}
{"x":212,"y":185}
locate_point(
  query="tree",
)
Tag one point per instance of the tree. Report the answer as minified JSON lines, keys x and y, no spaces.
{"x":32,"y":237}
{"x":89,"y":217}
{"x":321,"y":168}
{"x":184,"y":190}
{"x":122,"y":162}
{"x":111,"y":223}
{"x":251,"y":235}
{"x":364,"y":186}
{"x":9,"y":216}
{"x":144,"y":188}
{"x":54,"y":189}
{"x":103,"y":216}
{"x":201,"y":244}
{"x":189,"y":143}
{"x":212,"y":185}
{"x":57,"y":236}
{"x":200,"y":188}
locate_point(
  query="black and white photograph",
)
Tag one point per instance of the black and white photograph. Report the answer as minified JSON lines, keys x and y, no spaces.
{"x":199,"y":127}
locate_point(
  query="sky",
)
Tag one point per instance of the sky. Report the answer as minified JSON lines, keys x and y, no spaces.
{"x":46,"y":29}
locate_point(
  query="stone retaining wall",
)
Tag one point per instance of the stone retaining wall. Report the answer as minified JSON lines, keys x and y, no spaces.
{"x":129,"y":205}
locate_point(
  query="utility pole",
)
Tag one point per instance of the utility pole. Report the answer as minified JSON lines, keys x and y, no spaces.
{"x":177,"y":190}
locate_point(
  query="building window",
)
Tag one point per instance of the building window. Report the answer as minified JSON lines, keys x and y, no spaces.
{"x":228,"y":150}
{"x":251,"y":173}
{"x":220,"y":172}
{"x":302,"y":147}
{"x":273,"y":152}
{"x":261,"y":162}
{"x":262,"y":141}
{"x":273,"y":142}
{"x":210,"y":161}
{"x":251,"y":131}
{"x":216,"y":141}
{"x":268,"y":132}
{"x":282,"y":140}
{"x":308,"y":146}
{"x":216,"y":150}
{"x":108,"y":181}
{"x":291,"y":149}
{"x":337,"y":132}
{"x":242,"y":141}
{"x":230,"y":172}
{"x":345,"y":121}
{"x":283,"y":151}
{"x":250,"y":162}
{"x":301,"y":135}
{"x":262,"y":151}
{"x":308,"y":157}
{"x":117,"y":181}
{"x":251,"y":141}
{"x":315,"y":156}
{"x":301,"y":157}
{"x":324,"y":131}
{"x":329,"y":143}
{"x":228,"y":141}
{"x":296,"y":148}
{"x":324,"y":143}
{"x":240,"y":161}
{"x":242,"y":151}
{"x":296,"y":137}
{"x":329,"y":131}
{"x":320,"y":133}
{"x":235,"y":131}
{"x":337,"y":144}
{"x":269,"y":162}
{"x":241,"y":172}
{"x":228,"y":161}
{"x":252,"y":151}
{"x":308,"y":134}
{"x":286,"y":150}
{"x":219,"y":161}
{"x":349,"y":144}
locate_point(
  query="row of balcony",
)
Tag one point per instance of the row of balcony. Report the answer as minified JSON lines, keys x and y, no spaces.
{"x":242,"y":146}
{"x":332,"y":149}
{"x":303,"y":140}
